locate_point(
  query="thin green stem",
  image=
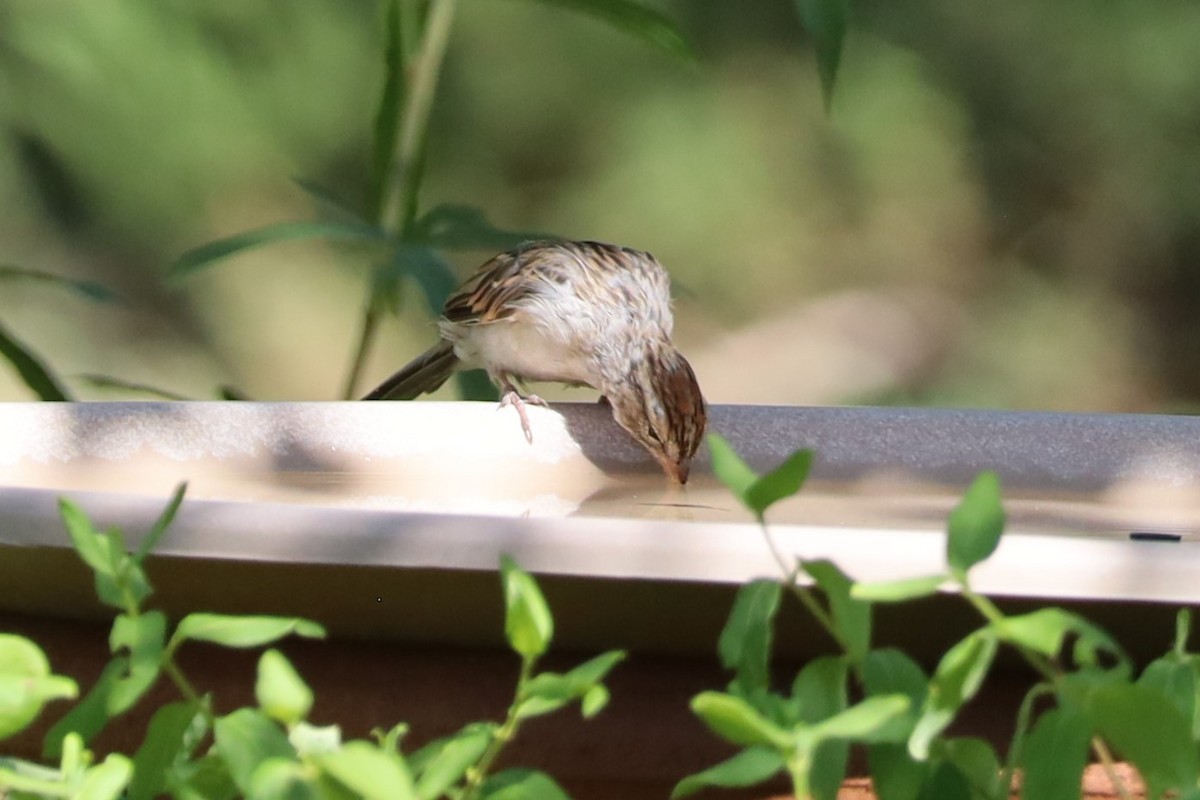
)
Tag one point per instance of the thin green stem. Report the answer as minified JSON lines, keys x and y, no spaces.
{"x":818,"y":611}
{"x":181,"y":682}
{"x":798,"y":769}
{"x":806,"y":598}
{"x":427,"y":66}
{"x":1048,"y":670}
{"x":1100,"y":748}
{"x":503,"y":735}
{"x":366,"y":340}
{"x":1016,"y":749}
{"x":133,"y":609}
{"x":398,"y":209}
{"x":188,"y":691}
{"x":990,"y":612}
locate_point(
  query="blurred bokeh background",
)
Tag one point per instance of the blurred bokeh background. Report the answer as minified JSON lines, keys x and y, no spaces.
{"x":1002,"y":208}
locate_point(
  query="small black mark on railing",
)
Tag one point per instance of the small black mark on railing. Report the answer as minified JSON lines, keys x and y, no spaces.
{"x":1155,"y":536}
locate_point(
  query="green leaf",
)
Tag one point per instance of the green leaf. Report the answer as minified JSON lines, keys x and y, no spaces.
{"x":75,"y":757}
{"x":119,"y":580}
{"x":1024,"y":721}
{"x":1055,"y":754}
{"x":114,"y":572}
{"x":25,"y":780}
{"x":596,"y":669}
{"x":109,"y":382}
{"x":162,"y":523}
{"x":896,"y":776}
{"x":522,"y":784}
{"x":26,"y":684}
{"x":819,"y":691}
{"x":90,"y":715}
{"x":245,"y":739}
{"x":87,"y":289}
{"x":451,"y":759}
{"x":1077,"y":688}
{"x":206,"y":778}
{"x":314,"y":739}
{"x":636,"y":19}
{"x":206,"y":255}
{"x":851,"y":618}
{"x":284,"y":779}
{"x":280,"y":691}
{"x":826,"y":23}
{"x":105,"y":781}
{"x":126,"y":583}
{"x":144,"y":639}
{"x":460,"y":227}
{"x":780,"y":483}
{"x":527,"y":622}
{"x":947,"y":782}
{"x":332,"y":206}
{"x":550,"y":691}
{"x":975,"y":525}
{"x":31,"y":369}
{"x":749,"y":767}
{"x":869,"y":721}
{"x":1144,"y":727}
{"x":594,"y":701}
{"x":390,"y":739}
{"x":827,"y":768}
{"x":1177,"y":681}
{"x":897,"y":591}
{"x":546,"y":693}
{"x":432,"y":274}
{"x":978,"y":763}
{"x":84,"y":537}
{"x":959,"y":675}
{"x":131,"y":580}
{"x":745,"y":642}
{"x":242,"y":632}
{"x":1046,"y":629}
{"x":890,"y":671}
{"x":372,"y":773}
{"x":391,"y":100}
{"x":736,"y":721}
{"x":729,"y":467}
{"x":166,"y":742}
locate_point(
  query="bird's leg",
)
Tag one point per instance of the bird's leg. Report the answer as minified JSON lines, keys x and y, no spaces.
{"x":509,"y":396}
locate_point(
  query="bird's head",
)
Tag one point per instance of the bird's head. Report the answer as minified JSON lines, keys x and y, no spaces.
{"x":661,"y":406}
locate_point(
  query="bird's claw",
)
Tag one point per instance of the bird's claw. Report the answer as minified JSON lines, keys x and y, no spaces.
{"x":512,"y":398}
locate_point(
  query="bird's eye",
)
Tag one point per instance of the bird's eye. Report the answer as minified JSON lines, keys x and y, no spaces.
{"x":653,"y":434}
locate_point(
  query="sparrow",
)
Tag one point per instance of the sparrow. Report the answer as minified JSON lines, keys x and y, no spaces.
{"x":575,"y":312}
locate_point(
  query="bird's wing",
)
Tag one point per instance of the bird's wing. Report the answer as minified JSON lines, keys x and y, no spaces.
{"x":492,"y":292}
{"x":497,"y":288}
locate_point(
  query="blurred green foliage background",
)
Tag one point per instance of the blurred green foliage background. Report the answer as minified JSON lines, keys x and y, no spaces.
{"x":1002,"y":208}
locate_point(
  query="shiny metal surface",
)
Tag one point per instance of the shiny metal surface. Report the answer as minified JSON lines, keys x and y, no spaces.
{"x":450,"y":486}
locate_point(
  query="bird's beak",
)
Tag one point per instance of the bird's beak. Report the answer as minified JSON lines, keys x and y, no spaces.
{"x":676,"y":472}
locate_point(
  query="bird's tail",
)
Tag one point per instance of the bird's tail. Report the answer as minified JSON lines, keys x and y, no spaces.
{"x":425,"y":373}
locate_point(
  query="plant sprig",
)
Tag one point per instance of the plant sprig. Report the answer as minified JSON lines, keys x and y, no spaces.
{"x":902,"y":715}
{"x":271,"y":749}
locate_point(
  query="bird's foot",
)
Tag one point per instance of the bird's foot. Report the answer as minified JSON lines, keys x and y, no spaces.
{"x":512,"y":398}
